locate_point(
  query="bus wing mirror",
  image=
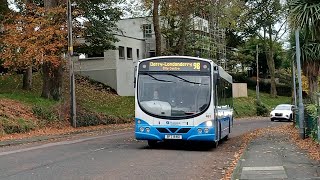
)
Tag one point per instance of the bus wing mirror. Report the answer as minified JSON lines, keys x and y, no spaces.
{"x":216,"y":77}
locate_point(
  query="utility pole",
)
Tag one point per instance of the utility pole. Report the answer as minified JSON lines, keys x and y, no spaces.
{"x":301,"y":108}
{"x":257,"y":62}
{"x":72,"y":80}
{"x":294,"y":83}
{"x":294,"y":91}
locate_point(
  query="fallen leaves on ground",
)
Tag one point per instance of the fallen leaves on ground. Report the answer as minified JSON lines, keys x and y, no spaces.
{"x":15,"y":110}
{"x":312,"y":147}
{"x":65,"y":130}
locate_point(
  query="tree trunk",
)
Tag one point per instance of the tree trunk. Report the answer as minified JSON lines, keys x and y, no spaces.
{"x":182,"y":42}
{"x":311,"y":69}
{"x":51,"y":3}
{"x":156,"y":26}
{"x":270,"y":61}
{"x":3,"y":8}
{"x":56,"y":83}
{"x":52,"y":75}
{"x":46,"y":80}
{"x":27,"y":79}
{"x":313,"y":87}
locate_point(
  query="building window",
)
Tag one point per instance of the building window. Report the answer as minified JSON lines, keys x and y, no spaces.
{"x":138,"y":54}
{"x":121,"y":52}
{"x":205,"y":29}
{"x":95,"y":54}
{"x":129,"y":53}
{"x":147,"y":31}
{"x":152,"y":54}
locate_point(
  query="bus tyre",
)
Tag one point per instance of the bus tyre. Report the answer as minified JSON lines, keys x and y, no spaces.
{"x":215,"y":144}
{"x":226,"y":138}
{"x":152,"y":143}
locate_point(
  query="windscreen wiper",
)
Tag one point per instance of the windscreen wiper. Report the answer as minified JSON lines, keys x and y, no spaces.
{"x":162,"y":80}
{"x":185,"y":79}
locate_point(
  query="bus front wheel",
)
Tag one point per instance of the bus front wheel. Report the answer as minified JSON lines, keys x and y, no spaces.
{"x":152,"y":143}
{"x":215,"y":144}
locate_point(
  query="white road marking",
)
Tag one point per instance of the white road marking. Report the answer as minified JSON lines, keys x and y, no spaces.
{"x":263,"y":172}
{"x":59,"y":144}
{"x":266,"y":168}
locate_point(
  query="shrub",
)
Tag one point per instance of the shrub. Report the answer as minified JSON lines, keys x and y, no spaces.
{"x":311,"y":117}
{"x":16,"y":126}
{"x":44,"y":113}
{"x":89,"y":118}
{"x":282,"y":90}
{"x":239,"y":77}
{"x":261,"y":109}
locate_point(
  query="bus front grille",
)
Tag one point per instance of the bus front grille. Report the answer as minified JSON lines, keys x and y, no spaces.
{"x":184,"y":130}
{"x":163,"y":130}
{"x":173,"y":130}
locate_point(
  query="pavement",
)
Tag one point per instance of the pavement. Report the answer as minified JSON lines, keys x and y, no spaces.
{"x":273,"y":156}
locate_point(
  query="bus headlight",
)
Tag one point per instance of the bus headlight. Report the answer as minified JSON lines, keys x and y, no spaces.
{"x":147,"y":129}
{"x":209,"y":123}
{"x":206,"y":130}
{"x":200,"y":131}
{"x":141,"y":129}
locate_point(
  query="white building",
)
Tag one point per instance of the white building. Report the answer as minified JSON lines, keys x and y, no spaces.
{"x":115,"y":68}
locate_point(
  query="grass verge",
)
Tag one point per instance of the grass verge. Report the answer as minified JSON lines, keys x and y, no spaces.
{"x":246,"y":106}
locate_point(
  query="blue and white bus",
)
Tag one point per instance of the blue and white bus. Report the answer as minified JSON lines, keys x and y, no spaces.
{"x":182,"y":98}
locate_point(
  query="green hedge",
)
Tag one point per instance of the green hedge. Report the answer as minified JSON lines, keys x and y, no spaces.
{"x":282,"y":90}
{"x":311,"y":117}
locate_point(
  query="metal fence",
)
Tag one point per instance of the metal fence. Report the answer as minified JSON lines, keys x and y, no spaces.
{"x":311,"y":125}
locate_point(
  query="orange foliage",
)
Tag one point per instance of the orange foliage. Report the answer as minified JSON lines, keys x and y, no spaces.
{"x":35,"y":36}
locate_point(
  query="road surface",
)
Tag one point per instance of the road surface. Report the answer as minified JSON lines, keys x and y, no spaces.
{"x":119,"y":156}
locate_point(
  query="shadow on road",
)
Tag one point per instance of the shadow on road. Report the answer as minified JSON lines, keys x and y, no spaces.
{"x":184,"y":145}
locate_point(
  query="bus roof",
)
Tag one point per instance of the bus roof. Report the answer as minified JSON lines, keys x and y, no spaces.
{"x":182,"y":57}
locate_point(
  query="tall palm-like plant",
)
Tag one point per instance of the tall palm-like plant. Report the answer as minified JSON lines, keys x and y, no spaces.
{"x":305,"y":15}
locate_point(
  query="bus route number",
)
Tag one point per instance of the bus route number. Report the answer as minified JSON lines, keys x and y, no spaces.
{"x":196,"y":65}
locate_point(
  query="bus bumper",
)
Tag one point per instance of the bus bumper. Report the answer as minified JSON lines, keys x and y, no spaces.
{"x":144,"y":131}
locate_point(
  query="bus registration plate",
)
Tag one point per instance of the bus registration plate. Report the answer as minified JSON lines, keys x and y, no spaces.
{"x":175,"y":136}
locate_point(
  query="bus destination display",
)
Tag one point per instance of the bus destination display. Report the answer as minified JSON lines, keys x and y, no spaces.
{"x":174,"y":66}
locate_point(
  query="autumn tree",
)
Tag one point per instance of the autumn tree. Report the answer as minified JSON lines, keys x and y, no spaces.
{"x":100,"y":18}
{"x":38,"y":38}
{"x":3,"y":11}
{"x":156,"y":25}
{"x":3,"y":8}
{"x":27,"y":74}
{"x":178,"y":19}
{"x":267,"y":20}
{"x":177,"y":22}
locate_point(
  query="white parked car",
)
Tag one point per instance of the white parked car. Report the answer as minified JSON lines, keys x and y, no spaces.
{"x":282,"y":112}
